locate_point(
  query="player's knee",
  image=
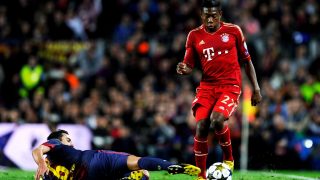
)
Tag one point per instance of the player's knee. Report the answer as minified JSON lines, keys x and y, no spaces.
{"x":132,"y":162}
{"x":202,"y":128}
{"x":217,"y":123}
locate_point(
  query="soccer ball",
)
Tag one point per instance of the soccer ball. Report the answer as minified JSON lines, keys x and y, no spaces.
{"x":219,"y":171}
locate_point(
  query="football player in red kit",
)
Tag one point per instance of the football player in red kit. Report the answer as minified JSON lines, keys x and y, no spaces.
{"x":217,"y":46}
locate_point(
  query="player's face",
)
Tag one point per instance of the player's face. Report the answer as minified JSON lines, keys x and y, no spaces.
{"x":66,"y":140}
{"x":211,"y":18}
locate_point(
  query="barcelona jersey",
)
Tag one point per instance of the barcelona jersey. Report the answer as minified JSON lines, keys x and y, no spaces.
{"x":65,"y":162}
{"x":68,"y":163}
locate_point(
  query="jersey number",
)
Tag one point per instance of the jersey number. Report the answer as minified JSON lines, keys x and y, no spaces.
{"x":227,"y":98}
{"x":61,"y":172}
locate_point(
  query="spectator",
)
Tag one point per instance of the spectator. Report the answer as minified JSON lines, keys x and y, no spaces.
{"x":31,"y":76}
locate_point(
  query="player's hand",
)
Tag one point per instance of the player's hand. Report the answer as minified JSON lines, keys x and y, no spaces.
{"x":41,"y":171}
{"x":256,"y":98}
{"x":182,"y":68}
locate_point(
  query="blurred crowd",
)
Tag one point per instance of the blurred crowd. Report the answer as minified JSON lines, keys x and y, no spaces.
{"x":111,"y":66}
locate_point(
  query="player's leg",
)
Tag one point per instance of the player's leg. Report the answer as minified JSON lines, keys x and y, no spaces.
{"x":222,"y":110}
{"x":148,"y":163}
{"x":157,"y":164}
{"x":201,"y":138}
{"x":222,"y":133}
{"x":108,"y":165}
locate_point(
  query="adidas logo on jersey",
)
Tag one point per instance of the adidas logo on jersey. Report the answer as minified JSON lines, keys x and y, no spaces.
{"x":201,"y":42}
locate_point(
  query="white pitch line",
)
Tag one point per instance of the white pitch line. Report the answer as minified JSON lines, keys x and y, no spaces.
{"x":291,"y":176}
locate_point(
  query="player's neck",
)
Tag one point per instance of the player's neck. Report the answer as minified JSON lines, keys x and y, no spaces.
{"x":214,"y":29}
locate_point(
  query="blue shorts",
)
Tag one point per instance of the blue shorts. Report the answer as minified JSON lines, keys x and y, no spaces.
{"x":108,"y":165}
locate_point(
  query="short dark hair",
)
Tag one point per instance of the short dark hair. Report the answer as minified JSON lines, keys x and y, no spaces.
{"x":211,"y":3}
{"x":57,"y":134}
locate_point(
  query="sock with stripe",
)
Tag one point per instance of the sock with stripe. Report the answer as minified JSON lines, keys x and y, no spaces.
{"x":224,"y":139}
{"x":201,"y":154}
{"x":153,"y":164}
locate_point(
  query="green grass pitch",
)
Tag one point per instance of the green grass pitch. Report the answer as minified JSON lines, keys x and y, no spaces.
{"x":13,"y":174}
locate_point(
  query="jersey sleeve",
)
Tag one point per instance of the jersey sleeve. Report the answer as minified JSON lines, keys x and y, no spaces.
{"x":52,"y":143}
{"x":242,"y":46}
{"x":190,"y":51}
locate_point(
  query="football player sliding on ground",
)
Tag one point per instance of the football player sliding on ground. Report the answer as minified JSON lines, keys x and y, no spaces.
{"x":66,"y":162}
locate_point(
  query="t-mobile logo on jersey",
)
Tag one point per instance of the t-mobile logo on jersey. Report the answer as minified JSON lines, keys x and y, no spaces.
{"x":209,"y":53}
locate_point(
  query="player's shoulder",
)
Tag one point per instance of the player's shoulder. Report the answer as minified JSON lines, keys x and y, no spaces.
{"x":52,"y":143}
{"x":196,"y":30}
{"x":231,"y":27}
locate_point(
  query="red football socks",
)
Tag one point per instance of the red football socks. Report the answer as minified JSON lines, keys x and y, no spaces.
{"x":225,"y":143}
{"x":201,"y":153}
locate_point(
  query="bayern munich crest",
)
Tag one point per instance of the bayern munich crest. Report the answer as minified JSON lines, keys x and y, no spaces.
{"x":225,"y":37}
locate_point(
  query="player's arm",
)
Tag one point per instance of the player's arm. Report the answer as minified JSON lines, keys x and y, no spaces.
{"x":184,"y":68}
{"x":37,"y":154}
{"x":251,"y":73}
{"x":249,"y":68}
{"x":187,"y":65}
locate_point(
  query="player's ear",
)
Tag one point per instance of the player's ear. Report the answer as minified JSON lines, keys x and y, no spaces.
{"x":201,"y":12}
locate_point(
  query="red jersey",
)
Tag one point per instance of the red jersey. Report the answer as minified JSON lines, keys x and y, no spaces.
{"x":218,"y":54}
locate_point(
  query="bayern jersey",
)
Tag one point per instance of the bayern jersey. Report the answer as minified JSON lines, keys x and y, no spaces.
{"x":218,"y":54}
